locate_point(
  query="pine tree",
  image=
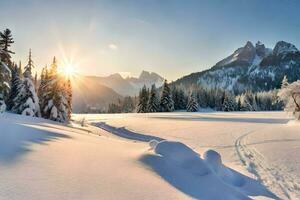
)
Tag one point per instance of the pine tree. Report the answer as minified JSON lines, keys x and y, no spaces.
{"x":166,"y":101}
{"x":192,"y":105}
{"x":43,"y":92}
{"x":28,"y":68}
{"x":182,"y":102}
{"x":179,"y":99}
{"x":128,"y":104}
{"x":16,"y":84}
{"x":57,"y":96}
{"x":229,"y":103}
{"x":143,"y":100}
{"x":27,"y":101}
{"x":5,"y":74}
{"x":69,"y":98}
{"x":5,"y":42}
{"x":5,"y":65}
{"x":153,"y":105}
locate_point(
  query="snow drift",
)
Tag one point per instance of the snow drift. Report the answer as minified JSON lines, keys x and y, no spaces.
{"x":200,"y":178}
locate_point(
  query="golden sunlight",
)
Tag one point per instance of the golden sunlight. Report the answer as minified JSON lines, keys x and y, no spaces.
{"x":68,"y":69}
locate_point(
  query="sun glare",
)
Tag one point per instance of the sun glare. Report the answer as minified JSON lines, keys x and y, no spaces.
{"x":68,"y":69}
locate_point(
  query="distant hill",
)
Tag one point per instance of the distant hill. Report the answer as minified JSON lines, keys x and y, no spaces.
{"x":97,"y":92}
{"x":250,"y":67}
{"x":89,"y":93}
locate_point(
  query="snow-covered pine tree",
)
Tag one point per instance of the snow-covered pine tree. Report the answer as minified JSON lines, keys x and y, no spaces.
{"x":153,"y":104}
{"x":69,"y":98}
{"x":42,"y":83}
{"x":28,"y":68}
{"x":5,"y":66}
{"x":44,"y":92}
{"x":5,"y":74}
{"x":229,"y":103}
{"x":27,"y":101}
{"x":16,"y":85}
{"x":56,"y":97}
{"x":127,"y":104}
{"x":6,"y":40}
{"x":166,"y":101}
{"x":179,"y":99}
{"x":48,"y":91}
{"x":192,"y":105}
{"x":143,"y":100}
{"x":182,"y":102}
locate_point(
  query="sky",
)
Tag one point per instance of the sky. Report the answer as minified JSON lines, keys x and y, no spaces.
{"x":170,"y":37}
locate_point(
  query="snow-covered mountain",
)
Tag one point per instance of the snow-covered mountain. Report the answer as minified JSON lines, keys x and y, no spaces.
{"x":97,"y":92}
{"x":250,"y":67}
{"x":131,"y":85}
{"x":146,"y":78}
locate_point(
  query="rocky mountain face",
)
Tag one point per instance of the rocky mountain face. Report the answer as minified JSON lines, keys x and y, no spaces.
{"x":250,"y":67}
{"x":129,"y":86}
{"x":146,"y":78}
{"x":93,"y":92}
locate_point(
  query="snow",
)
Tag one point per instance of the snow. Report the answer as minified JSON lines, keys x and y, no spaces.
{"x":150,"y":156}
{"x":284,"y":48}
{"x":259,"y":145}
{"x":186,"y":170}
{"x":5,"y":67}
{"x":2,"y":106}
{"x":40,"y":159}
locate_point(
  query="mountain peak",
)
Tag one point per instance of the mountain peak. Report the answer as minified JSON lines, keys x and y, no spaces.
{"x":144,"y":74}
{"x":243,"y":54}
{"x":116,"y":76}
{"x":260,"y":48}
{"x":283,"y":47}
{"x":249,"y":45}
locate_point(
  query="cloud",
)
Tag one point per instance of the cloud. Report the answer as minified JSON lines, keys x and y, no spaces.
{"x":113,"y":46}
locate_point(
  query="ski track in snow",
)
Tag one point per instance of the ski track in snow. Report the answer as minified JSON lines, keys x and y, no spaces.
{"x":275,"y":178}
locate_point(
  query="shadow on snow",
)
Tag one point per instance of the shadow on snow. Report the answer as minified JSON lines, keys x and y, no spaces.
{"x":17,"y":138}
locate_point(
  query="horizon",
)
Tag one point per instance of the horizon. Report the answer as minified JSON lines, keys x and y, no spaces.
{"x":171,"y":38}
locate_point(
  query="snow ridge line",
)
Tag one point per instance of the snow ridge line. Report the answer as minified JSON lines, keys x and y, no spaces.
{"x":273,"y":177}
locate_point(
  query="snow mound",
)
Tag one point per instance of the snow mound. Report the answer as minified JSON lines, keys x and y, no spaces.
{"x":153,"y":144}
{"x":200,"y":178}
{"x":180,"y":154}
{"x":213,"y":159}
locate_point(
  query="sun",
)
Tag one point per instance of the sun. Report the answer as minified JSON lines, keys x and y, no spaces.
{"x":68,"y":69}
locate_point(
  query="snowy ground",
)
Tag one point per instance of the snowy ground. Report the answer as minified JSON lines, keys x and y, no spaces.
{"x":40,"y":159}
{"x":264,"y":144}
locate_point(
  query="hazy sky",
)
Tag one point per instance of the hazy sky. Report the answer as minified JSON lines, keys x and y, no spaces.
{"x":170,"y":37}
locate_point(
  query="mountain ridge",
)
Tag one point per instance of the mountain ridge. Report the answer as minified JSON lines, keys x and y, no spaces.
{"x":249,"y":68}
{"x":98,"y":91}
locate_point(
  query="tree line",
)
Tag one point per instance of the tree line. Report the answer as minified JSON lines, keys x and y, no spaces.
{"x":170,"y":98}
{"x":21,"y":93}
